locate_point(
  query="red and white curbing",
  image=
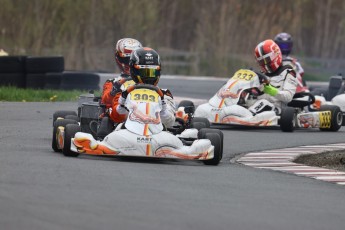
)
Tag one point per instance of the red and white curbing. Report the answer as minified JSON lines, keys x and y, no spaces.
{"x":282,"y":160}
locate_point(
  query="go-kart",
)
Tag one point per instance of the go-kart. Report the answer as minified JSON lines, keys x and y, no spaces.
{"x":142,"y":134}
{"x":334,"y":94}
{"x":229,"y":106}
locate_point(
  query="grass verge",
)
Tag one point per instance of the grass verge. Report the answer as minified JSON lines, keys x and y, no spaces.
{"x":9,"y":93}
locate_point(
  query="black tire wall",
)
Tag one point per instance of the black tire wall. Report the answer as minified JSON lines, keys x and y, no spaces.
{"x":79,"y":81}
{"x":12,"y":71}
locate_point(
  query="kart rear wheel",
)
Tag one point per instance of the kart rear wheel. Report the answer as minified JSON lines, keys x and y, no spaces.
{"x":336,"y":117}
{"x":188,"y":105}
{"x":216,"y":138}
{"x":70,"y":131}
{"x":287,"y":119}
{"x":200,"y":122}
{"x":72,"y":117}
{"x":62,"y":113}
{"x":57,"y":123}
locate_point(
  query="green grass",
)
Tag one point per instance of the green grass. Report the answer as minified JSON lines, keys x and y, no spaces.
{"x":38,"y":95}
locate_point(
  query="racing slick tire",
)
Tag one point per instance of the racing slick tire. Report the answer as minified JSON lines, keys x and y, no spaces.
{"x":72,"y":117}
{"x":216,"y":138}
{"x":57,"y":123}
{"x":200,"y":122}
{"x":70,"y":131}
{"x":62,"y":114}
{"x":187,"y":104}
{"x":287,"y":119}
{"x":203,"y":131}
{"x":336,"y":117}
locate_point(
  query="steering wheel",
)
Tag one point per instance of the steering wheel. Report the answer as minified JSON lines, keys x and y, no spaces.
{"x":262,"y":78}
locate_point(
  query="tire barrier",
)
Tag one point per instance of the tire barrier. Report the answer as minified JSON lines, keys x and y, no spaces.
{"x":12,"y":71}
{"x":12,"y":79}
{"x":35,"y":80}
{"x":79,"y":81}
{"x":44,"y":73}
{"x":53,"y":80}
{"x":45,"y":64}
{"x":37,"y":69}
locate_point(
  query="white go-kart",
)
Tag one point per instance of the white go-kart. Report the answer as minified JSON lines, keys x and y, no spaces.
{"x":229,"y":107}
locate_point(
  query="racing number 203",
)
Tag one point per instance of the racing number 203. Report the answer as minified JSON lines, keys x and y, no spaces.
{"x":243,"y":75}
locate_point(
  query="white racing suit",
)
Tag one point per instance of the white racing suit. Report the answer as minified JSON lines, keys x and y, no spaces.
{"x":167,"y":114}
{"x":284,"y":79}
{"x":296,"y":65}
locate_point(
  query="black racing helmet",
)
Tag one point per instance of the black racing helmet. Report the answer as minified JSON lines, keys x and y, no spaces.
{"x":145,"y":66}
{"x":284,"y":41}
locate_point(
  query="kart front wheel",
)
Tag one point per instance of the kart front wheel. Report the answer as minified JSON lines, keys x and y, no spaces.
{"x":216,"y":138}
{"x":70,"y":131}
{"x":336,"y":119}
{"x":57,"y":123}
{"x":287,"y":119}
{"x":202,"y":133}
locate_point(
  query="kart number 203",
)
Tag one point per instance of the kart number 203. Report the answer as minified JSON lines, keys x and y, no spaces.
{"x":244,"y":75}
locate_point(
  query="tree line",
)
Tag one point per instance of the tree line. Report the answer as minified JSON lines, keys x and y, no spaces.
{"x":219,"y":35}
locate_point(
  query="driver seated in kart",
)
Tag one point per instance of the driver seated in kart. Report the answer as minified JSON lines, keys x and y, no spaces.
{"x":283,"y":82}
{"x":143,"y":133}
{"x":145,"y":68}
{"x":113,"y":87}
{"x":285,"y":43}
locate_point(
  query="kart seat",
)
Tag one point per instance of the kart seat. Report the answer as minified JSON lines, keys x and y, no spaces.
{"x":342,"y":89}
{"x":334,"y":87}
{"x":106,"y":127}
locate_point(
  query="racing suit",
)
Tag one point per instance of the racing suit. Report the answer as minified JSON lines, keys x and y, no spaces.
{"x":284,"y":79}
{"x":296,"y":65}
{"x":111,"y":95}
{"x":112,"y":90}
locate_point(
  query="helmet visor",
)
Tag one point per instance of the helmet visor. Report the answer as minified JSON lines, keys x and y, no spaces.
{"x":264,"y":60}
{"x":147,"y":71}
{"x":285,"y":46}
{"x":123,"y":60}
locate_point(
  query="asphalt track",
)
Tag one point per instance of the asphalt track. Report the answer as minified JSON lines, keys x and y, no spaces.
{"x":41,"y":189}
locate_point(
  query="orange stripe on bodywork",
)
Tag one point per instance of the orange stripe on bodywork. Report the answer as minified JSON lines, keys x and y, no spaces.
{"x":230,"y":86}
{"x":216,"y":119}
{"x":83,"y":146}
{"x":241,"y":122}
{"x":148,"y":150}
{"x":146,"y":127}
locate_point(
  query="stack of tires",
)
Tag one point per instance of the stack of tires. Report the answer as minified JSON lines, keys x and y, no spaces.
{"x":44,"y":72}
{"x":12,"y":71}
{"x":79,"y":81}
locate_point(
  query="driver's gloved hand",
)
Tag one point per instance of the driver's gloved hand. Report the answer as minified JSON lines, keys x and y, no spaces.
{"x":122,"y":98}
{"x":116,"y":88}
{"x":270,"y":90}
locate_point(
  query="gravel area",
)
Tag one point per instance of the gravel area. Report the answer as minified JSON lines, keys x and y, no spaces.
{"x":331,"y":160}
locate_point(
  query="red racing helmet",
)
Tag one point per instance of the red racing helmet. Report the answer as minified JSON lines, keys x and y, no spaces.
{"x":268,"y":56}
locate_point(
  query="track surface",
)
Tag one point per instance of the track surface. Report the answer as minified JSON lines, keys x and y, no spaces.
{"x":40,"y":189}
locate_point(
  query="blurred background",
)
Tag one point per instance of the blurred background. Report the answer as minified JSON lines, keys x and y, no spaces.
{"x":193,"y":37}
